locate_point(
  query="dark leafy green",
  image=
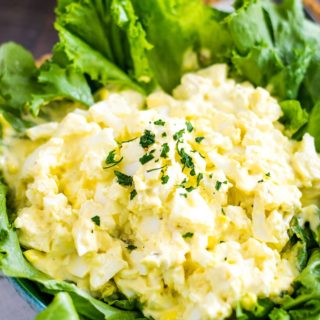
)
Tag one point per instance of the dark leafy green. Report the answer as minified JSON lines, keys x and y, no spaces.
{"x":294,"y":117}
{"x":313,"y":126}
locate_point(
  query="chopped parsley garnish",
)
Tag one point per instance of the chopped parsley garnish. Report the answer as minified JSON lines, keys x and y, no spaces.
{"x":260,"y":181}
{"x":192,"y":172}
{"x":131,"y":247}
{"x":188,"y":235}
{"x":183,"y":195}
{"x":218,"y":185}
{"x":223,"y":211}
{"x":165,"y":150}
{"x":268,"y":174}
{"x":147,"y":139}
{"x":178,"y":135}
{"x":133,"y":193}
{"x":189,"y":126}
{"x":198,"y":139}
{"x":186,"y":160}
{"x":156,"y":169}
{"x":189,"y":189}
{"x":146,"y":158}
{"x":184,"y":181}
{"x":164,"y":134}
{"x":96,"y":220}
{"x":123,"y":179}
{"x":199,"y":178}
{"x":159,"y":122}
{"x":110,"y":160}
{"x":164,"y":179}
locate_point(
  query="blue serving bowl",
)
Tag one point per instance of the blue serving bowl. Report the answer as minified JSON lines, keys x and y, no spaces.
{"x":30,"y":293}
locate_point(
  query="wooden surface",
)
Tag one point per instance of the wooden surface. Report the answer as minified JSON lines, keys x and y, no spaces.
{"x":28,"y":22}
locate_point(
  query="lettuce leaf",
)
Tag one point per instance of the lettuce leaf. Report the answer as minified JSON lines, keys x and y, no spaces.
{"x":61,"y":308}
{"x":112,"y":48}
{"x":270,"y":45}
{"x":17,"y":70}
{"x":294,"y":117}
{"x":36,"y":87}
{"x":191,"y":27}
{"x":313,"y":125}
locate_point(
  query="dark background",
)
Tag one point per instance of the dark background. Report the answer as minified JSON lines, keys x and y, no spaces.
{"x":28,"y":22}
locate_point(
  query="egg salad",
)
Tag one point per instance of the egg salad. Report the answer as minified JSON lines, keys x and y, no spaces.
{"x":182,"y":202}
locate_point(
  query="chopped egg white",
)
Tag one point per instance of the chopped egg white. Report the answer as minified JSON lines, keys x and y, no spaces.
{"x":183,"y":202}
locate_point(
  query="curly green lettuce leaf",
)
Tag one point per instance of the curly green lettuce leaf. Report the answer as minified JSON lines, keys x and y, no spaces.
{"x":111,"y":48}
{"x":60,"y":308}
{"x":60,"y":84}
{"x":24,"y":88}
{"x":196,"y":37}
{"x":279,"y":314}
{"x":259,"y":311}
{"x":294,"y":117}
{"x":18,"y":75}
{"x":305,"y":302}
{"x":270,"y":47}
{"x":313,"y":126}
{"x":13,"y":264}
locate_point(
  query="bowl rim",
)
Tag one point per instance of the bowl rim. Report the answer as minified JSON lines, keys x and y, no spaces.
{"x":28,"y":293}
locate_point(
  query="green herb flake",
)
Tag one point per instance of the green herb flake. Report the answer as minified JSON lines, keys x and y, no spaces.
{"x":186,"y":160}
{"x":178,"y":135}
{"x":159,"y":123}
{"x":260,"y":181}
{"x":183,"y":195}
{"x":190,"y":189}
{"x":164,"y":179}
{"x":131,"y":247}
{"x":199,"y":139}
{"x":164,"y":134}
{"x":268,"y":174}
{"x":199,"y":178}
{"x":147,"y":139}
{"x":165,"y":150}
{"x":188,"y":235}
{"x":222,"y":210}
{"x":123,"y":179}
{"x":133,"y":193}
{"x":156,"y":169}
{"x":96,"y":220}
{"x":146,"y":158}
{"x":189,"y":126}
{"x":218,"y":185}
{"x":110,"y":160}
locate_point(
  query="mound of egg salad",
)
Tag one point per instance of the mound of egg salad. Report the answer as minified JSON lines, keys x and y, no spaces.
{"x":182,"y":202}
